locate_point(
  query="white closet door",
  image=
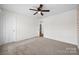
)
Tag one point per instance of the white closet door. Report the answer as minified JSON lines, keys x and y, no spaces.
{"x":7,"y":27}
{"x":10,"y":28}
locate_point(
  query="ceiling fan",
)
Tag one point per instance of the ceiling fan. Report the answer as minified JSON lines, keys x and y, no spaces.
{"x":39,"y":10}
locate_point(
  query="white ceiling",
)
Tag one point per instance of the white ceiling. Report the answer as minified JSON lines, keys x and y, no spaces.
{"x":24,"y":8}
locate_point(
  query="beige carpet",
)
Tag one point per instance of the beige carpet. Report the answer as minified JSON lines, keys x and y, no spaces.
{"x":38,"y":46}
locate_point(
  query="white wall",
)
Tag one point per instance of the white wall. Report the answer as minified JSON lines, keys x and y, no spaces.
{"x":61,"y":27}
{"x":15,"y":27}
{"x":27,"y":27}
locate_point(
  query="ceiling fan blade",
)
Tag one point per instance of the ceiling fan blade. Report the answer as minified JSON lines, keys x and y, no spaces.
{"x":42,"y":14}
{"x":33,"y":9}
{"x":45,"y":10}
{"x":35,"y":13}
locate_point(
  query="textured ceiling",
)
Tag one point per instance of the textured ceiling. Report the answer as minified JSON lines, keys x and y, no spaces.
{"x":24,"y":9}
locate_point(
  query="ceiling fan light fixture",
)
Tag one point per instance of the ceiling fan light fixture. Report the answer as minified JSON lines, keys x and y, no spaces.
{"x":39,"y":12}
